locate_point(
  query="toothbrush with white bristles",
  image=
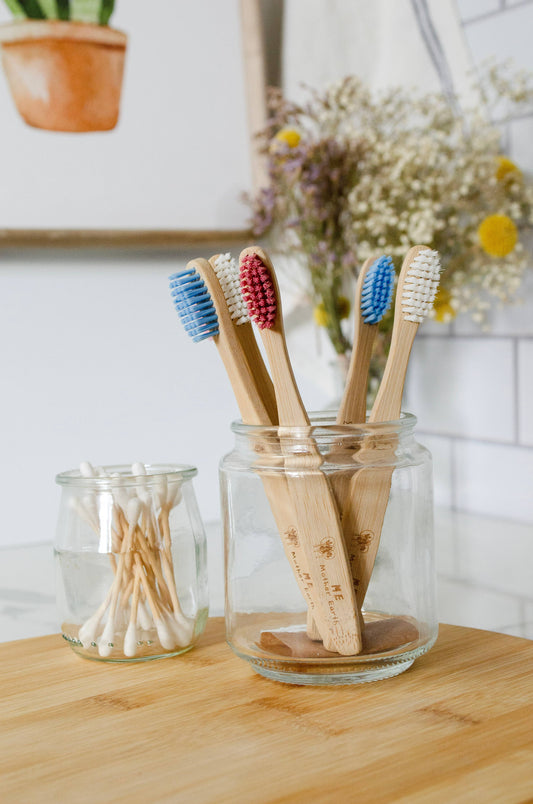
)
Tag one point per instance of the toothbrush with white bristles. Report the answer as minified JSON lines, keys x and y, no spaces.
{"x":373,"y":296}
{"x":367,"y":501}
{"x":204,"y":310}
{"x":227,"y":272}
{"x":317,"y":519}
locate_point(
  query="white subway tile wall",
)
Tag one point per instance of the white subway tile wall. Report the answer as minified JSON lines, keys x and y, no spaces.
{"x":470,"y":9}
{"x":525,"y":392}
{"x":493,"y":479}
{"x":473,"y":389}
{"x":463,"y":386}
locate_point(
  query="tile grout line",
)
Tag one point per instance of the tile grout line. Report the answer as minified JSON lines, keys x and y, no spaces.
{"x":516,"y":390}
{"x":453,"y":476}
{"x":485,"y":441}
{"x":500,"y":517}
{"x":489,"y":14}
{"x":469,"y":336}
{"x":521,"y":600}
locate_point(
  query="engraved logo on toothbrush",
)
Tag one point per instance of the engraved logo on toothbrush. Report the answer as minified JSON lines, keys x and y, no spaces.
{"x":364,"y":540}
{"x":292,"y":537}
{"x":326,"y":548}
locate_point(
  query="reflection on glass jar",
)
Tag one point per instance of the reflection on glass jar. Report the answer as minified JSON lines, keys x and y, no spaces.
{"x":131,"y":568}
{"x":304,"y":506}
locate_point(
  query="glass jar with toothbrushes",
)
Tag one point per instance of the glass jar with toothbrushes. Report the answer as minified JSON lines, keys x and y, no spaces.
{"x":327,"y":519}
{"x":131,"y":563}
{"x":287,"y":602}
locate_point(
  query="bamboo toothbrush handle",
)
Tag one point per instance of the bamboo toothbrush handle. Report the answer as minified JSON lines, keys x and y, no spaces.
{"x":317,"y":527}
{"x":370,"y":488}
{"x":388,"y":402}
{"x":253,"y":390}
{"x":363,"y":522}
{"x":352,"y":409}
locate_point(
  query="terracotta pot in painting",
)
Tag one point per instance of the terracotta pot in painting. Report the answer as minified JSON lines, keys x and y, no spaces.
{"x":64,"y":76}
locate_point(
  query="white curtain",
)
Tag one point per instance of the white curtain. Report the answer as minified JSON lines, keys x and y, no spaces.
{"x":418,"y":43}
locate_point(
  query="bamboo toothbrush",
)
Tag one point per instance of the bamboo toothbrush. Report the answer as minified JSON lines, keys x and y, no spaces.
{"x":227,"y":273}
{"x":367,"y":501}
{"x":206,"y":312}
{"x":373,"y":296}
{"x":319,"y":529}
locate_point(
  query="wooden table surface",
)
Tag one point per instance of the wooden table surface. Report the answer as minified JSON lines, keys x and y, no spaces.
{"x":203,"y":727}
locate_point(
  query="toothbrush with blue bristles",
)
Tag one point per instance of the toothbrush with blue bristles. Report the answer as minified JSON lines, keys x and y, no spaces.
{"x":366,"y":504}
{"x":208,"y":299}
{"x":373,"y":296}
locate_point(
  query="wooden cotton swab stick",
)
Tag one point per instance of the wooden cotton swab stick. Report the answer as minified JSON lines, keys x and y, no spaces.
{"x":106,"y":640}
{"x":160,"y":560}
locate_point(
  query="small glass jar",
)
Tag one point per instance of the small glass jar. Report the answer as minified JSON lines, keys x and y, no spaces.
{"x":287,"y":493}
{"x":131,"y":563}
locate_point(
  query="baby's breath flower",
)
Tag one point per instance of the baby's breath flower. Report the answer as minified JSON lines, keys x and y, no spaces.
{"x":355,"y":174}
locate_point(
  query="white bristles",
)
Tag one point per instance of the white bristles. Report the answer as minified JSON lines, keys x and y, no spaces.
{"x":227,"y":272}
{"x":420,"y":286}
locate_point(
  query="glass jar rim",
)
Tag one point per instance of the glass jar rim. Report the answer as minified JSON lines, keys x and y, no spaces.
{"x":327,"y":419}
{"x":121,"y":475}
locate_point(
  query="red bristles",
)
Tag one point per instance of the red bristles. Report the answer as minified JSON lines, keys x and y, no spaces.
{"x":258,"y":291}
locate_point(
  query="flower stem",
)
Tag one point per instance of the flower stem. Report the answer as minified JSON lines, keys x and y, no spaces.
{"x":330,"y":301}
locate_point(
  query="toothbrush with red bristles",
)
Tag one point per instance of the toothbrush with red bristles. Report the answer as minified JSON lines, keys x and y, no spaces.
{"x":318,"y":525}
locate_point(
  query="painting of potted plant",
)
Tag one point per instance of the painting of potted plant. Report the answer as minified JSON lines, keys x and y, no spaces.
{"x":64,"y":64}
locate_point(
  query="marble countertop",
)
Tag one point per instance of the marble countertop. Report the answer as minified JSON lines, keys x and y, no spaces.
{"x":484,"y":574}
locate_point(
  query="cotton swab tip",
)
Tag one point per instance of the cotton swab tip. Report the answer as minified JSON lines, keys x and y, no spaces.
{"x":130,"y":640}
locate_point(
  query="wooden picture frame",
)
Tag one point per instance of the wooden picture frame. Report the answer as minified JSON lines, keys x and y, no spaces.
{"x":236,"y":28}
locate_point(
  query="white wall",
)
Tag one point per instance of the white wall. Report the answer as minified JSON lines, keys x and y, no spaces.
{"x":96,"y":366}
{"x":473,"y":390}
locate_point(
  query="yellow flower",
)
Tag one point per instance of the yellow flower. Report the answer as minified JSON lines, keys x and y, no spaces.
{"x":497,"y":235}
{"x":321,"y":315}
{"x":507,"y":168}
{"x":290,"y":136}
{"x":443,"y":310}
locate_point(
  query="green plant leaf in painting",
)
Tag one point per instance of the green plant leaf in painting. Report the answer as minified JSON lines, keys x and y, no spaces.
{"x":32,"y":9}
{"x":106,"y":10}
{"x":63,"y":9}
{"x":15,"y":8}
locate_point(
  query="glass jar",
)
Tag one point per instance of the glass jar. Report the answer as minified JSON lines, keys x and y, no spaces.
{"x":304,"y":509}
{"x":131,"y":563}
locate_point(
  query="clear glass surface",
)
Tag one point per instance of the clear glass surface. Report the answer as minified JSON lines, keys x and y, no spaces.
{"x":268,"y":615}
{"x":131,"y":563}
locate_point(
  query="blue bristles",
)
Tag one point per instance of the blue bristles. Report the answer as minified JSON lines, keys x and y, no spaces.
{"x":194,"y":305}
{"x":376,"y":295}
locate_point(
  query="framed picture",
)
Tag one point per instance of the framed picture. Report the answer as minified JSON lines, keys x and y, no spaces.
{"x":172,"y":167}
